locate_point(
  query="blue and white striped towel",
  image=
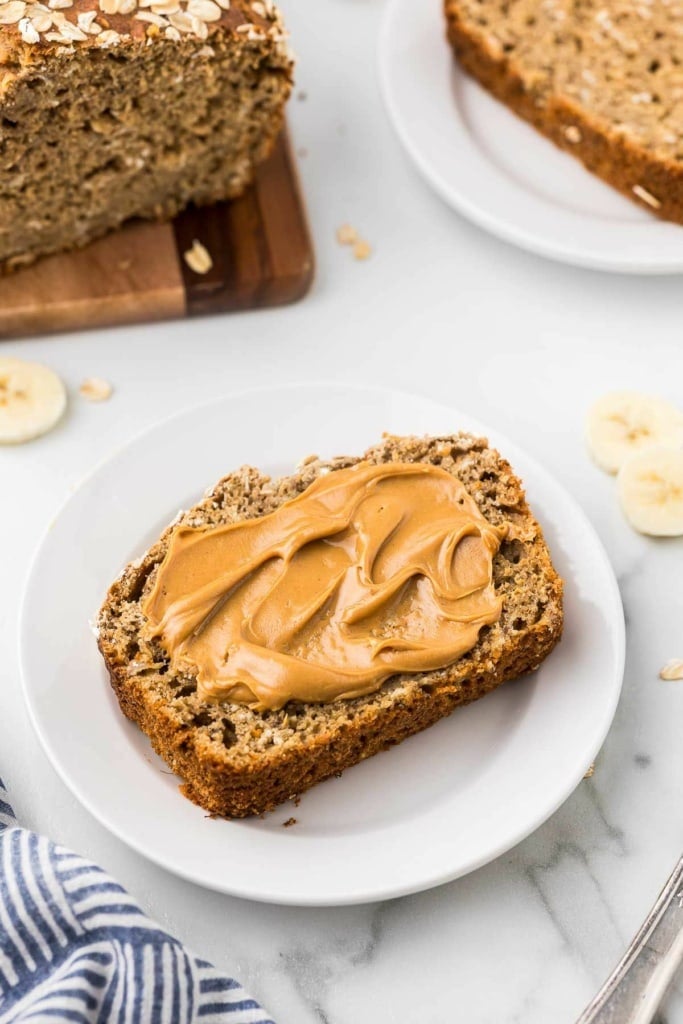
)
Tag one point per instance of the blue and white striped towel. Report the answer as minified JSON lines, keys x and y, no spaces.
{"x":74,"y":946}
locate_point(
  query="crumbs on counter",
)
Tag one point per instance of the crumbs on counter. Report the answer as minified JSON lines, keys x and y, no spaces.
{"x":198,"y":258}
{"x":672,"y":670}
{"x":95,"y":389}
{"x":362,"y":250}
{"x":289,"y":822}
{"x":590,"y":773}
{"x":348,"y":235}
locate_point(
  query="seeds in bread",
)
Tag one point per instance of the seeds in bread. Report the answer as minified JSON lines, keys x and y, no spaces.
{"x":235,"y":761}
{"x":604,"y":82}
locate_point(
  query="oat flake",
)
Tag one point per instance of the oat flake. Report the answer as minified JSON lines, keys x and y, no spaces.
{"x":672,"y":670}
{"x":198,"y":258}
{"x":95,"y":389}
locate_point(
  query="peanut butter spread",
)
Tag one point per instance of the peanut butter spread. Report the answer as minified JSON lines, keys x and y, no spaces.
{"x":372,"y":571}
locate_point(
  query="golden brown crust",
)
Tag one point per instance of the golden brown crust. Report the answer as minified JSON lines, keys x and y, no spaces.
{"x":241,"y":793}
{"x":220,"y":751}
{"x":645,"y":177}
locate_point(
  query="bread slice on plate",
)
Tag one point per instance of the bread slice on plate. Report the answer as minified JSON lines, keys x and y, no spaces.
{"x":603,"y":81}
{"x":237,"y":761}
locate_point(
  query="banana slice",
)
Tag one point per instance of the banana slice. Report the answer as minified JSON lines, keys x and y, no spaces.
{"x":625,"y":422}
{"x":32,"y":400}
{"x":650,"y":486}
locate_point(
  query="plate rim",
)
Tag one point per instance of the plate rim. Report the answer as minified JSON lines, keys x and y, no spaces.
{"x":359,"y":896}
{"x":518,"y":234}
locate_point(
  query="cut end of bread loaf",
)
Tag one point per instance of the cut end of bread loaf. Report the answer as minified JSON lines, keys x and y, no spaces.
{"x":603,"y":82}
{"x":235,"y":761}
{"x":107,"y":116}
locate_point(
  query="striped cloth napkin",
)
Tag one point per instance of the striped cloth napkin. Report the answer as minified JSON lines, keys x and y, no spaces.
{"x":74,"y":946}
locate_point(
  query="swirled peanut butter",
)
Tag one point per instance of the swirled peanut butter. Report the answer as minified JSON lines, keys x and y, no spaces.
{"x":372,"y":571}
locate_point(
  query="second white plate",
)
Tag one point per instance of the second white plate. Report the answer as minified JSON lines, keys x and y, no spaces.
{"x":439,"y":805}
{"x":497,"y":170}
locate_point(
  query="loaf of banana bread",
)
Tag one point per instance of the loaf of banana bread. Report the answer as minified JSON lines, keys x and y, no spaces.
{"x":114,"y":109}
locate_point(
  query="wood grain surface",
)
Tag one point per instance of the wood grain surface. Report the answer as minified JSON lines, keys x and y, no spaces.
{"x":260,"y":247}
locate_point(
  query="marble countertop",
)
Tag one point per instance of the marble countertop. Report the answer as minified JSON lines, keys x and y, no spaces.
{"x":445,"y":310}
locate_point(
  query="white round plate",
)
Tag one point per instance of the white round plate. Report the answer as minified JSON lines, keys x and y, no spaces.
{"x":497,"y":170}
{"x":439,"y":805}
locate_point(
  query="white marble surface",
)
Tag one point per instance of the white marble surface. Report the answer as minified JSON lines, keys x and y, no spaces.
{"x":445,"y":310}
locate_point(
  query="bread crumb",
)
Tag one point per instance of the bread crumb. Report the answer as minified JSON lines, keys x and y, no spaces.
{"x":307,"y":461}
{"x":362,"y":250}
{"x":289,"y":823}
{"x":346,"y":235}
{"x":672,"y":670}
{"x":646,"y":196}
{"x":94,"y":389}
{"x":198,"y":258}
{"x":572,"y":134}
{"x":590,"y":773}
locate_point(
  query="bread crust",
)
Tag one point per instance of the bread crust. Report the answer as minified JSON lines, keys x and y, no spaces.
{"x":237,"y":783}
{"x":614,"y":157}
{"x":230,"y":793}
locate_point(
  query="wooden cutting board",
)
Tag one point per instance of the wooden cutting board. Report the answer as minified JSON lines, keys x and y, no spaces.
{"x":260,"y":247}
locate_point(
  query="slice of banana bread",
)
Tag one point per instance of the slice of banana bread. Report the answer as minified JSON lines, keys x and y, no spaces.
{"x":603,"y":81}
{"x":236,"y":761}
{"x":113,"y":109}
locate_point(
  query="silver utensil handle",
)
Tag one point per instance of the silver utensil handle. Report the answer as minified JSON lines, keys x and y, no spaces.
{"x":638,"y":983}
